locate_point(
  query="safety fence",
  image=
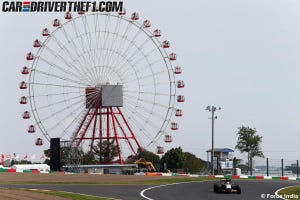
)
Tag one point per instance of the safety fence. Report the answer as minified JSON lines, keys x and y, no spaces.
{"x":273,"y":167}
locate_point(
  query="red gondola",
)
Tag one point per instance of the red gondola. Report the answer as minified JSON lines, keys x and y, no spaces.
{"x":180,"y":98}
{"x":29,"y":56}
{"x":157,"y":33}
{"x":68,"y":15}
{"x":174,"y":126}
{"x":178,"y":113}
{"x":45,"y":32}
{"x":160,"y":150}
{"x":147,"y":23}
{"x":56,"y":23}
{"x":81,"y":13}
{"x":25,"y":70}
{"x":26,"y":115}
{"x":135,"y":16}
{"x":39,"y":142}
{"x":23,"y":85}
{"x":180,"y":84}
{"x":37,"y":43}
{"x":23,"y":100}
{"x":122,"y":12}
{"x":173,"y":56}
{"x":178,"y":70}
{"x":168,"y":138}
{"x":31,"y":129}
{"x":166,"y":44}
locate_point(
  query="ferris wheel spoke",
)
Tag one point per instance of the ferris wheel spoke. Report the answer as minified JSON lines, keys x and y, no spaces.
{"x":148,"y":66}
{"x":86,"y":60}
{"x":144,"y":77}
{"x":147,"y":102}
{"x":57,"y":103}
{"x":70,"y":115}
{"x":95,"y":38}
{"x":142,"y":133}
{"x":130,"y":44}
{"x":110,"y":45}
{"x":64,"y":48}
{"x":60,"y":77}
{"x":60,"y":68}
{"x":135,"y":106}
{"x":103,"y":45}
{"x":61,"y":110}
{"x":114,"y":42}
{"x":89,"y":41}
{"x":151,"y":111}
{"x":148,"y":93}
{"x":54,"y":94}
{"x":125,"y":37}
{"x":57,"y":85}
{"x":118,"y":39}
{"x":138,"y":48}
{"x":72,"y":66}
{"x":139,"y":116}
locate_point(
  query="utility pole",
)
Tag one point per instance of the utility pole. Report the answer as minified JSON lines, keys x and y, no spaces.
{"x":212,"y":109}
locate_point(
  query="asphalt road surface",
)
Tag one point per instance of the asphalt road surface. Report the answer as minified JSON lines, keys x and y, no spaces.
{"x":251,"y":189}
{"x":255,"y":189}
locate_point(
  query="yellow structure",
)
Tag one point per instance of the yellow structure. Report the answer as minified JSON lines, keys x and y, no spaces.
{"x":146,"y":164}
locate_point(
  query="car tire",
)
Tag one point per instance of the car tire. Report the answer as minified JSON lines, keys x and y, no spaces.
{"x":239,"y":191}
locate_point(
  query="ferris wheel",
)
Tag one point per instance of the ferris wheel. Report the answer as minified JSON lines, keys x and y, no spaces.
{"x":103,"y":77}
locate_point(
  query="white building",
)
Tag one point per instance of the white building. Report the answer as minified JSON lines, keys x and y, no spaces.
{"x":43,"y":168}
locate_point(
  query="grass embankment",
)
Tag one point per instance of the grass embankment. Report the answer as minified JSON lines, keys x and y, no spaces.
{"x":291,"y":193}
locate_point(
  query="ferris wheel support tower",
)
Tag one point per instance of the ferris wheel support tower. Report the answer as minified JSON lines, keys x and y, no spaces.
{"x":104,"y":114}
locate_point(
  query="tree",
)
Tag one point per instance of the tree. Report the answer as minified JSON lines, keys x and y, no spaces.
{"x":88,"y":158}
{"x":105,"y":151}
{"x":174,"y":158}
{"x":149,"y":156}
{"x":192,"y":163}
{"x":249,"y":141}
{"x":47,"y":155}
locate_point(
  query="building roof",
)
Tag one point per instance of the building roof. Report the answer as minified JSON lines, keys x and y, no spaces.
{"x":223,"y":150}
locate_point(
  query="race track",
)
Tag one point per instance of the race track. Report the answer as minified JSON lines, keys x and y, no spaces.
{"x":256,"y":189}
{"x":251,"y":189}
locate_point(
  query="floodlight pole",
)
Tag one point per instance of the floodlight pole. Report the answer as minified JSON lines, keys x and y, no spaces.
{"x":212,"y":109}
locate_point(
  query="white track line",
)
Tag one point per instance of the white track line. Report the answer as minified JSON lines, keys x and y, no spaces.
{"x":280,"y":196}
{"x":150,"y":188}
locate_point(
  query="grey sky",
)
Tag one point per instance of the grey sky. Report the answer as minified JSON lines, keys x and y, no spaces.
{"x":240,"y":55}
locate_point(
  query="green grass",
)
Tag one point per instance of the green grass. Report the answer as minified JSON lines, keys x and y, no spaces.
{"x":292,"y":191}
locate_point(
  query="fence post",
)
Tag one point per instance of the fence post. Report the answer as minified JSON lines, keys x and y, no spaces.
{"x":250,"y":166}
{"x":282,"y":167}
{"x":267,"y":166}
{"x":297,"y":168}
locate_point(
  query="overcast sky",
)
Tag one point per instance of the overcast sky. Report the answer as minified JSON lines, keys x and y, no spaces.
{"x":240,"y":55}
